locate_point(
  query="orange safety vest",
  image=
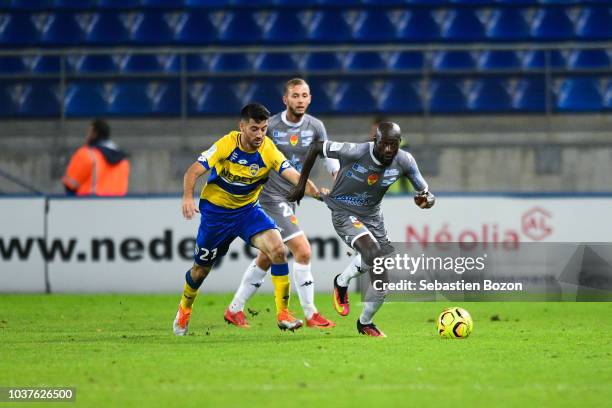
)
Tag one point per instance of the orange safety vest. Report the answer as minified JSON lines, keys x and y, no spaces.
{"x":89,"y":173}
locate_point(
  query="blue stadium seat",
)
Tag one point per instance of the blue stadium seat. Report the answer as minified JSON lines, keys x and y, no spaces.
{"x":17,"y":29}
{"x":235,"y":62}
{"x":239,"y":27}
{"x":608,"y":96}
{"x":507,"y":24}
{"x":498,"y":60}
{"x":275,"y":61}
{"x":165,"y":98}
{"x":62,"y":28}
{"x":140,"y":63}
{"x":12,"y":65}
{"x":107,"y":29}
{"x":268,"y":92}
{"x":594,"y":23}
{"x":256,"y":3}
{"x":94,"y":63}
{"x":163,"y":3}
{"x":151,"y":28}
{"x":39,"y":99}
{"x":170,"y":63}
{"x":285,"y":27}
{"x":489,"y":95}
{"x":7,"y":107}
{"x":118,"y":4}
{"x":517,"y":2}
{"x":453,"y":60}
{"x":400,"y":96}
{"x":536,"y":59}
{"x":215,"y":98}
{"x":129,"y":98}
{"x":338,"y":2}
{"x":75,"y":4}
{"x":45,"y":64}
{"x":418,"y":25}
{"x":365,"y":60}
{"x":406,"y":60}
{"x":579,"y":94}
{"x":321,"y":61}
{"x":462,"y":24}
{"x":329,"y":26}
{"x":552,"y":24}
{"x":386,"y":2}
{"x":446,"y":96}
{"x":321,"y":102}
{"x":32,"y":4}
{"x":195,"y":27}
{"x":530,"y":95}
{"x":197,"y":62}
{"x":205,"y":3}
{"x":374,"y":26}
{"x":354,"y":96}
{"x":593,"y":58}
{"x":85,"y":99}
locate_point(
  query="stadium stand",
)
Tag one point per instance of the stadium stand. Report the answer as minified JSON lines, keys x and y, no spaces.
{"x":521,"y":57}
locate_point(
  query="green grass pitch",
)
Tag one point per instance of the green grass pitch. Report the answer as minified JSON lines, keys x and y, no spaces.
{"x":118,"y":350}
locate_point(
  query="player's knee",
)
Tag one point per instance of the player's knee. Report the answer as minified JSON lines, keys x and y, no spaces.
{"x":303,"y":254}
{"x":263,"y":261}
{"x":278,"y":253}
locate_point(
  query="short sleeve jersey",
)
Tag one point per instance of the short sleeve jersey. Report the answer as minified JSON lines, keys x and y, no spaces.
{"x":363,"y":180}
{"x":237,"y":176}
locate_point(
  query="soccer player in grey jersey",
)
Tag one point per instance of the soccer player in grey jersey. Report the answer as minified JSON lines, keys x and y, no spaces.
{"x":292,"y":130}
{"x":366,"y":172}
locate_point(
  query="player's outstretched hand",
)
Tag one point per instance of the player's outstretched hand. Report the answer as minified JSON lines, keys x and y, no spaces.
{"x":296,"y":194}
{"x":424,"y":200}
{"x":189,"y":208}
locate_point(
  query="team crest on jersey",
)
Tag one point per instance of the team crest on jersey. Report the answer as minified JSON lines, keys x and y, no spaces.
{"x":293,"y":139}
{"x":293,"y":219}
{"x":372,"y":179}
{"x":254,"y":168}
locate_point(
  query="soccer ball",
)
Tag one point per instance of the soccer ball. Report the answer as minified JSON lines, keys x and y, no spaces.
{"x":455,"y":323}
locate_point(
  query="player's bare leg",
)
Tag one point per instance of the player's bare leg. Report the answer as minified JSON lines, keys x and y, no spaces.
{"x":271,"y":244}
{"x":193,"y":280}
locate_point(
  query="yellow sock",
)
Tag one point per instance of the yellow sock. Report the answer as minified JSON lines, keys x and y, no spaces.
{"x":281,"y":292}
{"x":189,"y":296}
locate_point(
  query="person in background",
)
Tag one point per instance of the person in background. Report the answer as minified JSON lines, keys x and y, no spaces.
{"x":97,"y":168}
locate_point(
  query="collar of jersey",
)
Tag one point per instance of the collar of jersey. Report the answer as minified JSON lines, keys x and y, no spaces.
{"x":246,"y":151}
{"x":288,"y":123}
{"x":372,"y":154}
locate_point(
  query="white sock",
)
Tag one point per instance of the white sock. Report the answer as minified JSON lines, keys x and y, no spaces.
{"x":251,"y":281}
{"x":304,"y":284}
{"x":374,"y":300}
{"x":352,"y":270}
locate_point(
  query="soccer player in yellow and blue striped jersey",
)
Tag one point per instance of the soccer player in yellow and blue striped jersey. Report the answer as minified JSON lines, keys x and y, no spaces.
{"x":239,"y":164}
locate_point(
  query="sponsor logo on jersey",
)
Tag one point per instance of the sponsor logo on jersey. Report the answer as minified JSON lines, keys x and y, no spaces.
{"x":359,"y":168}
{"x":388,"y":182}
{"x":372,"y":179}
{"x":335,"y":146}
{"x":253,"y":168}
{"x":352,"y":175}
{"x":391,"y":172}
{"x":285,"y":164}
{"x":307,"y":133}
{"x":306,"y":141}
{"x":279,"y":137}
{"x":243,"y":162}
{"x":356,"y":199}
{"x":233,"y":157}
{"x":294,"y":139}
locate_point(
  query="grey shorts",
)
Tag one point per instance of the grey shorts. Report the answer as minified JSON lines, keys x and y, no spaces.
{"x":283,"y":213}
{"x":350,"y":227}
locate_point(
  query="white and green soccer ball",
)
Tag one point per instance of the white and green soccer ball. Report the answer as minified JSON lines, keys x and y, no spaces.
{"x":455,"y":323}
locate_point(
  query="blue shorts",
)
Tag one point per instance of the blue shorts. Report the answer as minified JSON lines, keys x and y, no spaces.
{"x":220,"y":226}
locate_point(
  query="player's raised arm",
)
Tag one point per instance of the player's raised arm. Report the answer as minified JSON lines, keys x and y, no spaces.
{"x":189,"y":181}
{"x":297,"y":193}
